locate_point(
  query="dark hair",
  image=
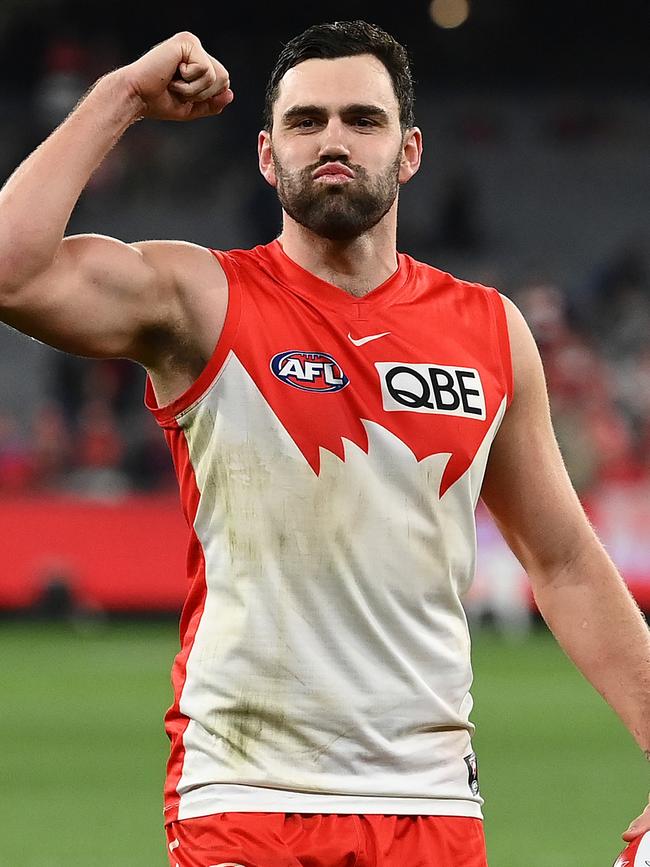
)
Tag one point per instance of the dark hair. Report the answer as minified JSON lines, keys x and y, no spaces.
{"x":345,"y":39}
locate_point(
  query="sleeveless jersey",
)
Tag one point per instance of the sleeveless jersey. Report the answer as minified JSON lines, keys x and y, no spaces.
{"x":330,"y":457}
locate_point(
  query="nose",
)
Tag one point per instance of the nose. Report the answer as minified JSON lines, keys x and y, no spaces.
{"x":333,"y":142}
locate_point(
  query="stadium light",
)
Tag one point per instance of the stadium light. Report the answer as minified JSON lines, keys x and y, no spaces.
{"x":449,"y":13}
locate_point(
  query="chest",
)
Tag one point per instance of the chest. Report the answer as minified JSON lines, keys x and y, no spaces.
{"x":428,"y":374}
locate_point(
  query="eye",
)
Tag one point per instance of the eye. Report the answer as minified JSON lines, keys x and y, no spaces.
{"x":364,"y":122}
{"x":305,"y":123}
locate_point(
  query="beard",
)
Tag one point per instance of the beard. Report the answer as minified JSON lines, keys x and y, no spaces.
{"x":338,"y":212}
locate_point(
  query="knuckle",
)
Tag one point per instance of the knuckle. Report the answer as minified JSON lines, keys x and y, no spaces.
{"x":203,"y":93}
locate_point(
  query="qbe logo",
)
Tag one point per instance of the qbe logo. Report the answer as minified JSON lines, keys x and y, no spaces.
{"x":431,"y":388}
{"x":309,"y":371}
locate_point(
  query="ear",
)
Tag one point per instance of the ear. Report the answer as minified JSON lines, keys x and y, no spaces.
{"x":265,"y":155}
{"x":411,"y":154}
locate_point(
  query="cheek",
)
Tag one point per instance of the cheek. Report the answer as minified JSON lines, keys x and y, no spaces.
{"x":383,"y":160}
{"x":297,"y":153}
{"x":291,"y":165}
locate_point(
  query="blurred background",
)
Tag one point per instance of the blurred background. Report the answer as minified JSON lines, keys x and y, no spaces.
{"x":536,"y":180}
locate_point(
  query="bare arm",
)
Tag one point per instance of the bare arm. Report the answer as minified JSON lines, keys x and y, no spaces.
{"x":90,"y":294}
{"x":577,"y":588}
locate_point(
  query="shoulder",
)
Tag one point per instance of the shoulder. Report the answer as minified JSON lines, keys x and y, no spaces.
{"x":183,"y":264}
{"x":529,"y":381}
{"x":522,"y":343}
{"x":192,"y":292}
{"x":439,"y":278}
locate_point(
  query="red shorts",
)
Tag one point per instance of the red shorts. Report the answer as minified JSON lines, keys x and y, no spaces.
{"x":331,"y":840}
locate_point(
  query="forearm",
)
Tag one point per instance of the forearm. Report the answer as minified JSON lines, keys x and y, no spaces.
{"x":596,"y":621}
{"x":37,"y":200}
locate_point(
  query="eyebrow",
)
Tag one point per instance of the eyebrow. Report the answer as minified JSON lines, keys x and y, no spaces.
{"x":355,"y":108}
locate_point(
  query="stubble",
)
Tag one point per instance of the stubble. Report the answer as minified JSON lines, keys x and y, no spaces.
{"x":338,"y":212}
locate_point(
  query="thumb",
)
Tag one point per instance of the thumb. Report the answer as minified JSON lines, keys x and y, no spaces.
{"x":185,"y":69}
{"x":633,"y":831}
{"x":638,"y":826}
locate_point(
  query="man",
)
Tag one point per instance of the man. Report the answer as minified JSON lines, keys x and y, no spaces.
{"x":334,"y":410}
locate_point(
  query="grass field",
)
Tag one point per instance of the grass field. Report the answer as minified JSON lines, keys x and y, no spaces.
{"x":83,"y":751}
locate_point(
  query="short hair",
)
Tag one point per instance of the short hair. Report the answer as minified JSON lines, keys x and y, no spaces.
{"x":345,"y":39}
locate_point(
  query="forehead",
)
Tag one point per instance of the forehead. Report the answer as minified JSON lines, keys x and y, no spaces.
{"x":342,"y":81}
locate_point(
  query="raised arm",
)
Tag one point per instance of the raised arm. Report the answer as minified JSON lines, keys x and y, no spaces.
{"x":577,"y":588}
{"x":89,"y":294}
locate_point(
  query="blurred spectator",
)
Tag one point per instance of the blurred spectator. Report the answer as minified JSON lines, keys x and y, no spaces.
{"x":628,"y":266}
{"x":75,"y":380}
{"x":56,"y":600}
{"x":16,"y":458}
{"x":633,"y":382}
{"x":617,"y":303}
{"x":99,"y":449}
{"x":612,"y":442}
{"x":459,"y":228}
{"x":147,"y":461}
{"x":99,"y":443}
{"x":594,"y":433}
{"x":63,"y":82}
{"x":51,"y":446}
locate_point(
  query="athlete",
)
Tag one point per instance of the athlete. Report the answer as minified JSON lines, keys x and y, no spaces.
{"x":334,"y":410}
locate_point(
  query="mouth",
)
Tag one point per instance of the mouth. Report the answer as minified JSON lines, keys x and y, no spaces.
{"x":333,"y":173}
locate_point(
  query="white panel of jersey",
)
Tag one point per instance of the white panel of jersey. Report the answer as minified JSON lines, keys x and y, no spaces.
{"x":331,"y":671}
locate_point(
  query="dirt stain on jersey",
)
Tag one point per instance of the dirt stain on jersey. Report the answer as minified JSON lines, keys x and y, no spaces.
{"x":241,"y":726}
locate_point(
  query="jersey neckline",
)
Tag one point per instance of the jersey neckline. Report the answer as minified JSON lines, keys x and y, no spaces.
{"x":298,"y":279}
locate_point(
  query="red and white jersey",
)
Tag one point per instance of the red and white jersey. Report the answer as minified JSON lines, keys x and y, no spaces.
{"x":330,"y":458}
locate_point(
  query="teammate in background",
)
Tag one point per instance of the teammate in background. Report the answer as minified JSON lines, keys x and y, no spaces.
{"x":334,"y":410}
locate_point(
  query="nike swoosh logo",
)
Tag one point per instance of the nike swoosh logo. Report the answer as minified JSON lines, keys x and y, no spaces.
{"x":370,"y":337}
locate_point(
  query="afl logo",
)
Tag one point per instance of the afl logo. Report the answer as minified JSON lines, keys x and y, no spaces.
{"x":309,"y":371}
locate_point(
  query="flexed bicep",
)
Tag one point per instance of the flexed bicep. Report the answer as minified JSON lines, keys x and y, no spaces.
{"x":104,"y":298}
{"x":90,"y":294}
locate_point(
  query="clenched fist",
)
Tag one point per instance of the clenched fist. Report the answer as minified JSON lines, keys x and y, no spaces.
{"x":178,"y":80}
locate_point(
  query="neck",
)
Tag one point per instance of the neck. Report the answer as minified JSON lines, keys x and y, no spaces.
{"x":357,"y":266}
